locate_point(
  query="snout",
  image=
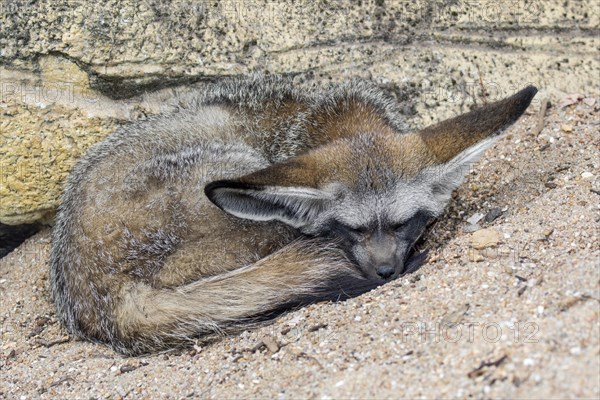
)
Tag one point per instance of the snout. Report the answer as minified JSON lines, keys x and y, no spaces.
{"x":389,"y":270}
{"x":385,"y":271}
{"x":381,"y":256}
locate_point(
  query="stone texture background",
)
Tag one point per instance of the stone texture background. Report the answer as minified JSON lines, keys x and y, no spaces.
{"x":71,"y":72}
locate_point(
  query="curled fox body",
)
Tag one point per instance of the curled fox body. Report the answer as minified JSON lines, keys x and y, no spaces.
{"x":251,"y":198}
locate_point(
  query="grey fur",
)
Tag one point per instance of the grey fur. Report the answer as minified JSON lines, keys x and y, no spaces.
{"x":144,"y":261}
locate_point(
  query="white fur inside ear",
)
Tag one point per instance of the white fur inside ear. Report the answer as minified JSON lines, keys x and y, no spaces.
{"x":473,"y":153}
{"x":302,"y":192}
{"x":446,"y":177}
{"x":295,"y":206}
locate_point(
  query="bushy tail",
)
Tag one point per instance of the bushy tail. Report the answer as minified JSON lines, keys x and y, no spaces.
{"x":149,"y":319}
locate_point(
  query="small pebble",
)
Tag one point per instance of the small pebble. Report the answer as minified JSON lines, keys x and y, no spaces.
{"x":490,"y":253}
{"x":587,"y":175}
{"x":528,"y":362}
{"x":475,"y":218}
{"x":475,"y":256}
{"x":485,"y":238}
{"x":455,"y":316}
{"x":472,"y":228}
{"x":492,"y":214}
{"x":567,"y":128}
{"x":540,"y":310}
{"x":569,"y":302}
{"x":532,"y":282}
{"x":270,"y":344}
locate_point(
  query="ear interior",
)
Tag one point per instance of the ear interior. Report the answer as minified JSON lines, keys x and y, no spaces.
{"x":295,"y":206}
{"x":458,"y":142}
{"x":448,"y":176}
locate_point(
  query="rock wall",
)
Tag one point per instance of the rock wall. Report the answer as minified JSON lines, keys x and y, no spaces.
{"x":71,"y":72}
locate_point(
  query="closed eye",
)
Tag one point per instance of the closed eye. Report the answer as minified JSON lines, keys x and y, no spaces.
{"x":419,"y":219}
{"x":414,"y":225}
{"x":397,"y":227}
{"x":358,"y":230}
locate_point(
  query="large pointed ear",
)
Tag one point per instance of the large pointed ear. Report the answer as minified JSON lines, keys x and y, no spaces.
{"x":283,"y":192}
{"x":458,"y":142}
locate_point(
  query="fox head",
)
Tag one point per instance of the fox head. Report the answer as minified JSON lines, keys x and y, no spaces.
{"x":372,"y":192}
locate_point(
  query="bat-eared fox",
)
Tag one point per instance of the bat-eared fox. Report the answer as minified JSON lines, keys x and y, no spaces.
{"x":250,"y":198}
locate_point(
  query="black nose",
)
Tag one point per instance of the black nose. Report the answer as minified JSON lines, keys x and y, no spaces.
{"x":385,"y":271}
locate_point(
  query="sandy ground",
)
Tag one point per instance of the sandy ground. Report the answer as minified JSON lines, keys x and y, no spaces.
{"x":519,"y":318}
